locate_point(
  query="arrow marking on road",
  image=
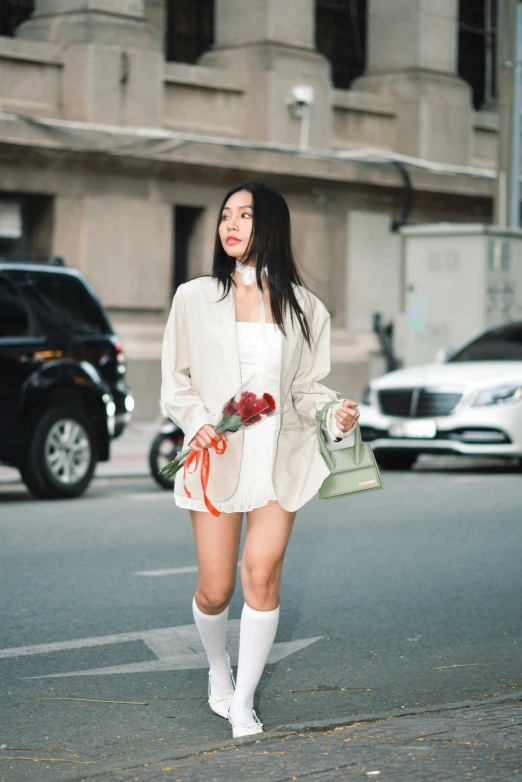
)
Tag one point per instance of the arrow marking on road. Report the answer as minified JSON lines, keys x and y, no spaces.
{"x":176,"y":648}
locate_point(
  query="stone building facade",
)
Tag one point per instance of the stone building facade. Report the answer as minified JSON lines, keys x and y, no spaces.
{"x":117,"y":159}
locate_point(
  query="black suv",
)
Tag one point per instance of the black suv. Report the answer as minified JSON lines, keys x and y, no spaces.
{"x":62,"y":376}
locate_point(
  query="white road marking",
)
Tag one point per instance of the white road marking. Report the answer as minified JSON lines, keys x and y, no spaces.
{"x":173,"y":571}
{"x":478,"y":478}
{"x":176,"y":648}
{"x":150,"y":495}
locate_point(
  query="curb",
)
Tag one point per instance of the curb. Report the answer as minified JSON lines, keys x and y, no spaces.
{"x":293,"y":729}
{"x":112,"y":475}
{"x":318,"y":725}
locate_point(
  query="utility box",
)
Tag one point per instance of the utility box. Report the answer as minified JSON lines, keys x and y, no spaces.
{"x":459,"y":279}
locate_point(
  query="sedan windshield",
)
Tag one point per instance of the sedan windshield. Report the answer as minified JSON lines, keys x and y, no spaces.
{"x":501,"y":344}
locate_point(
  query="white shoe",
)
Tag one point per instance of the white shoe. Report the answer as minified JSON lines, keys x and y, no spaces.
{"x":239,"y":730}
{"x":221,"y":705}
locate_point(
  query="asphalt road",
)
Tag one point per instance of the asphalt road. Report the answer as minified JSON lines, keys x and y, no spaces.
{"x":401,"y":600}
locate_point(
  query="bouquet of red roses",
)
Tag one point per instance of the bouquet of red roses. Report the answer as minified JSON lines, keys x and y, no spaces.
{"x":243,"y":410}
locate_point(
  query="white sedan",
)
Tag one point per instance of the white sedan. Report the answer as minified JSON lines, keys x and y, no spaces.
{"x":471,"y":404}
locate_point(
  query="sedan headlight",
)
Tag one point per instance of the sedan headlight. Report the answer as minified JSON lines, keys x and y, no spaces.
{"x":500,"y":395}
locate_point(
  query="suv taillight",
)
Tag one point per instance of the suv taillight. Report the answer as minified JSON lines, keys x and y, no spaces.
{"x":120,"y":355}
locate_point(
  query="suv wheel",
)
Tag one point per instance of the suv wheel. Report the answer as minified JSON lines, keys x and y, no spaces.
{"x":395,"y":460}
{"x":62,"y":454}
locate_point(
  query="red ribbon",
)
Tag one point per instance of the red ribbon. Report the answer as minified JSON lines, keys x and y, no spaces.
{"x":193,"y":459}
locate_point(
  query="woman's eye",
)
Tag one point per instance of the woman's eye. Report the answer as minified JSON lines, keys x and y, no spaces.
{"x":246,"y":214}
{"x":224,"y":217}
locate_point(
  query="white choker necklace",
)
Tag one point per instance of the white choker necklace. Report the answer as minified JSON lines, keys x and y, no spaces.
{"x":248,"y":273}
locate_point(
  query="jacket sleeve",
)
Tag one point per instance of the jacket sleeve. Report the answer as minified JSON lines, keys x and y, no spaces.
{"x":308,"y":394}
{"x":178,"y":396}
{"x":333,"y":430}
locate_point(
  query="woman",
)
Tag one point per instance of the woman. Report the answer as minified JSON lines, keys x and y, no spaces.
{"x":252,"y":314}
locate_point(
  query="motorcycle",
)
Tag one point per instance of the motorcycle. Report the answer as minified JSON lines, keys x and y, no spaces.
{"x":164,"y":448}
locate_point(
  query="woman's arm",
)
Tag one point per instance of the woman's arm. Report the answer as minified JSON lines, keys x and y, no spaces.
{"x":181,"y":400}
{"x":308,"y":394}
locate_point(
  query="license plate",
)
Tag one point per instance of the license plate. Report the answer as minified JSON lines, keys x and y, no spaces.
{"x":419,"y":430}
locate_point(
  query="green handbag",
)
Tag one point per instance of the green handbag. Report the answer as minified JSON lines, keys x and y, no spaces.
{"x":352,"y":469}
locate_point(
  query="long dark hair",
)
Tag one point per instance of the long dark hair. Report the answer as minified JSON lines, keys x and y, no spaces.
{"x":270,"y":246}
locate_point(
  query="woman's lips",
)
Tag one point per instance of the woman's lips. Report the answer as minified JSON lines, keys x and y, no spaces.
{"x":232,"y":240}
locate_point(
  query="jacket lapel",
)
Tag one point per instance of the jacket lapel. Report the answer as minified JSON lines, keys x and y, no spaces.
{"x":291,"y":353}
{"x":226,"y":328}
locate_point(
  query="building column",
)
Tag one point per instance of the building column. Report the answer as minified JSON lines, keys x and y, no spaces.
{"x":113,"y":59}
{"x":412,"y":58}
{"x":505,"y":24}
{"x":274,"y":43}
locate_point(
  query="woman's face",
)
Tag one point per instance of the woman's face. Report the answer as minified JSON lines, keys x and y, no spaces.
{"x":235,"y":228}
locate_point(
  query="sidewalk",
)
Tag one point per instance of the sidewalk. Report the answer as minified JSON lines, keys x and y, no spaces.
{"x":477,"y":741}
{"x":129,"y":454}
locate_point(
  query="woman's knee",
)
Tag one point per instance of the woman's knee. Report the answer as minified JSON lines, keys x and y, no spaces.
{"x":261,"y":582}
{"x":213,"y":599}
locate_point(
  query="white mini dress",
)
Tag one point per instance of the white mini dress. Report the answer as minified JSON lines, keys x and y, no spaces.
{"x":255,"y":487}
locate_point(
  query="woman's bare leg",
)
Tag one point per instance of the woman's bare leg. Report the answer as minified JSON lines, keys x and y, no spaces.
{"x":217,"y":546}
{"x":267,"y":537}
{"x":268,"y":533}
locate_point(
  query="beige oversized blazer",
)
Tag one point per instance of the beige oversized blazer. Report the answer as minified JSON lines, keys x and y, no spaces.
{"x":201,"y":371}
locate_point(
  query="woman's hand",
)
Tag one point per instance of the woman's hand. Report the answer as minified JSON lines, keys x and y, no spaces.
{"x":346,"y":416}
{"x":204,"y":437}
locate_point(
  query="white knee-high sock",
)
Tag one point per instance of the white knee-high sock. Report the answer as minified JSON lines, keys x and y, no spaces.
{"x":213,"y":633}
{"x":256,"y":636}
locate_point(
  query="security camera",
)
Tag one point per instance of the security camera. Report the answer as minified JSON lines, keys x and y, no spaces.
{"x":301,"y":96}
{"x":299,"y":104}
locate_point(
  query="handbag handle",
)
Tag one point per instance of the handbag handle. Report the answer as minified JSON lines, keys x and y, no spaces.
{"x":328,"y":455}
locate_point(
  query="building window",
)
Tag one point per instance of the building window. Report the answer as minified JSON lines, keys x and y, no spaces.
{"x":478,"y":49}
{"x":13,"y":13}
{"x":340,"y":34}
{"x":190,"y":29}
{"x":187,"y":238}
{"x":26,"y":223}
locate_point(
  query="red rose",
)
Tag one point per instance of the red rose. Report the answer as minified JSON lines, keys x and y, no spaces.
{"x":248,"y":408}
{"x":269,"y":404}
{"x":251,"y":408}
{"x":230,"y":407}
